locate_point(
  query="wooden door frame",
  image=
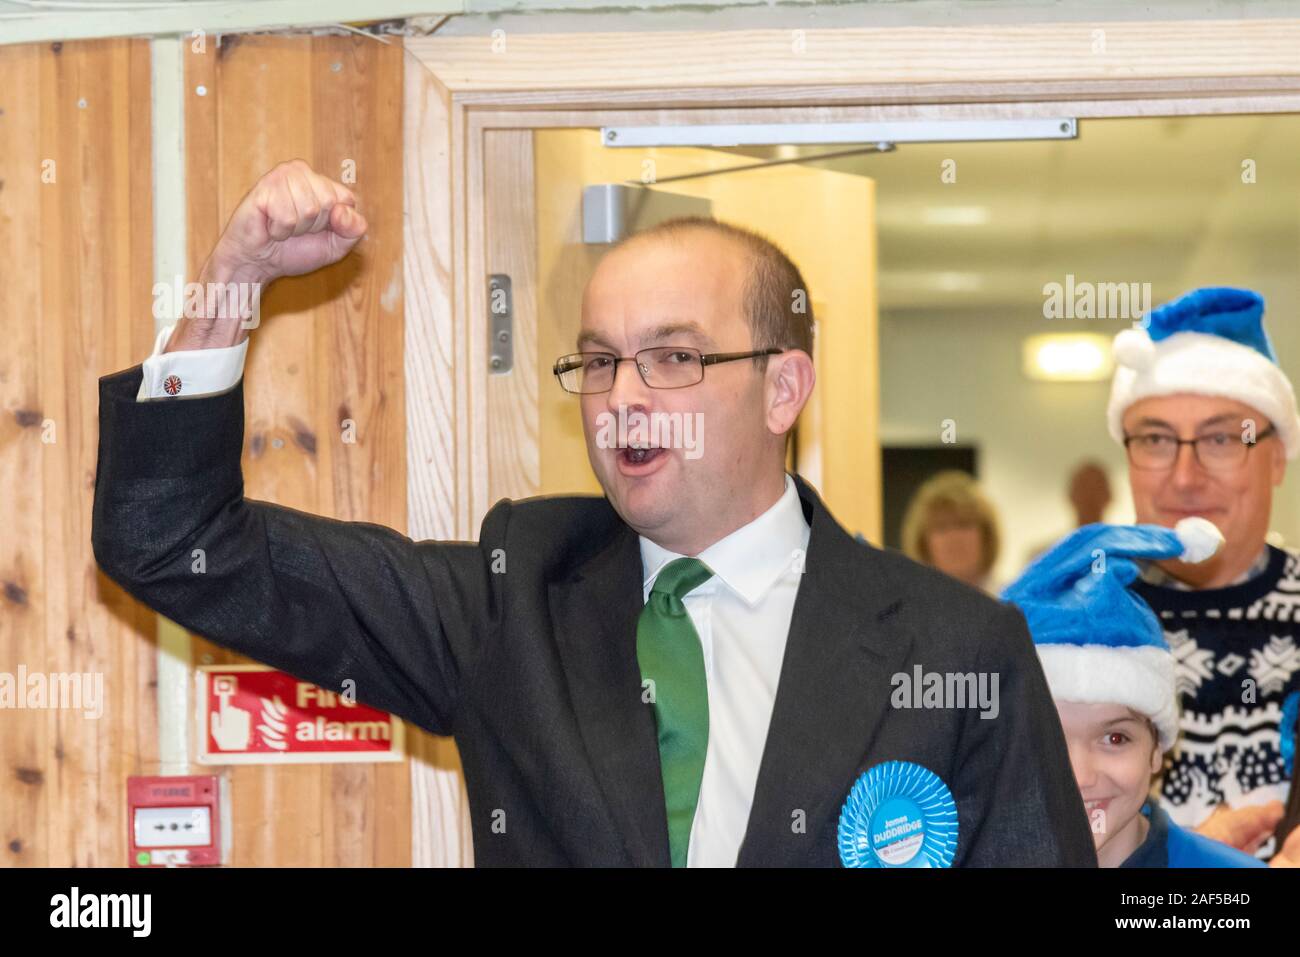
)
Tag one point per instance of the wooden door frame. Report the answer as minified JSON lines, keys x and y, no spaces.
{"x":471,"y":104}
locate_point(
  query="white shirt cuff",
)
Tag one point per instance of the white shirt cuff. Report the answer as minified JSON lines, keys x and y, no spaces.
{"x":190,"y":372}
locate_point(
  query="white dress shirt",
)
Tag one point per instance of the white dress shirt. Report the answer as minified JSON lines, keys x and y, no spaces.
{"x":190,"y":372}
{"x":742,"y":616}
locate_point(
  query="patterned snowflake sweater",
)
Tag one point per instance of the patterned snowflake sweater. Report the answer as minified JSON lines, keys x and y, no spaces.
{"x":1237,"y":653}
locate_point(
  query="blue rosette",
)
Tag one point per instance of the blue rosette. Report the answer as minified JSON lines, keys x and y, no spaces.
{"x":898,"y":814}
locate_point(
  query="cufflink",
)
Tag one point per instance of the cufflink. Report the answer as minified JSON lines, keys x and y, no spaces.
{"x":172,"y":384}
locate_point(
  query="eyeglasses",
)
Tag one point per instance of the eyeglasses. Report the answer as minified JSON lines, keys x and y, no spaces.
{"x":661,"y":367}
{"x":1215,"y":452}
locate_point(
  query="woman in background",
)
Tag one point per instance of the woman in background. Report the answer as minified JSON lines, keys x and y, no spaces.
{"x":950,"y":525}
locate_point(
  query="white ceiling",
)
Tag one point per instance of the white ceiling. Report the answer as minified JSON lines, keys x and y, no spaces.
{"x":1144,"y":200}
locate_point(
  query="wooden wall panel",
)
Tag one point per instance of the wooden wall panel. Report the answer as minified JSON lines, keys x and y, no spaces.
{"x":437,"y":421}
{"x":329,"y":349}
{"x":76,"y":277}
{"x":509,"y":246}
{"x":75,"y":297}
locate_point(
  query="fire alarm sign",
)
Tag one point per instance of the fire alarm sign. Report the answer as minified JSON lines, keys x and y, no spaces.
{"x":252,"y":714}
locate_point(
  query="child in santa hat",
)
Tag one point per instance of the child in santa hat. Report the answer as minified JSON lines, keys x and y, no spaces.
{"x":1112,"y":676}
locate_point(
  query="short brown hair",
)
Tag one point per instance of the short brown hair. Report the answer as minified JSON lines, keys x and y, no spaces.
{"x":777,"y":303}
{"x":956,"y":495}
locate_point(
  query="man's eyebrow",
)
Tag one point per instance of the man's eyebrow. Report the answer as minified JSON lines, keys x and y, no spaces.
{"x":589,"y":338}
{"x":1206,"y":423}
{"x":656,"y":334}
{"x":1216,"y":420}
{"x":1155,"y":423}
{"x":668,"y":330}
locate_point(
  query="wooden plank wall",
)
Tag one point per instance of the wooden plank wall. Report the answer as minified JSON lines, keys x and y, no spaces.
{"x":329,"y":349}
{"x":76,"y":269}
{"x":444,"y":465}
{"x":75,"y":303}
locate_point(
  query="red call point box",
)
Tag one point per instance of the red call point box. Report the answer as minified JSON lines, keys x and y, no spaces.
{"x":252,"y":714}
{"x":173,"y":821}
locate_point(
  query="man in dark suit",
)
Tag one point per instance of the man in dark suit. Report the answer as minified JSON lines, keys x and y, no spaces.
{"x":691,"y":670}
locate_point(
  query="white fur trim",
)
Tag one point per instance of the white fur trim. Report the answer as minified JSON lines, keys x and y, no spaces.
{"x":1204,"y":364}
{"x":1140,"y":677}
{"x":1201,"y":538}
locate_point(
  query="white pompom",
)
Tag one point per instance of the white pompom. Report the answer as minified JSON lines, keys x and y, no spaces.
{"x":1134,"y":348}
{"x":1200,"y":538}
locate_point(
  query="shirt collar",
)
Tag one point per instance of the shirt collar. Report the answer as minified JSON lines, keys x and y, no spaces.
{"x":1153,"y":574}
{"x":1154,"y":849}
{"x":751,"y":559}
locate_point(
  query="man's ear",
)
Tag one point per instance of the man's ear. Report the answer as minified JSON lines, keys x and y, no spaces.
{"x":790,"y":380}
{"x":1279,"y":461}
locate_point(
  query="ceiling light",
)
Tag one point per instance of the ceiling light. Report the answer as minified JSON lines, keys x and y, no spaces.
{"x":955,"y":215}
{"x":1068,"y":357}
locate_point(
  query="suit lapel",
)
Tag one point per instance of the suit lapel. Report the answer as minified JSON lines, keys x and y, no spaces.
{"x":595,"y":614}
{"x":842,"y":641}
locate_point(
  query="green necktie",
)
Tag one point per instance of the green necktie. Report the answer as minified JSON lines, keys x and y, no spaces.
{"x":668,"y":650}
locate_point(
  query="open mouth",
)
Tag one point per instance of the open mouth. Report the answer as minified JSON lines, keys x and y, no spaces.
{"x":635,"y":455}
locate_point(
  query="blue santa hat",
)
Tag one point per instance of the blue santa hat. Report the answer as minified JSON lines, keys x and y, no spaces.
{"x":1100,"y":643}
{"x":1209,"y":342}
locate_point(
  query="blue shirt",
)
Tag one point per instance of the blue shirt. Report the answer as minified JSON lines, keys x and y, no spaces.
{"x":1168,"y":845}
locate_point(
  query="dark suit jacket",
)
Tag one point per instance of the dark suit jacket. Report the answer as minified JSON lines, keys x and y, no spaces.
{"x":534,"y":669}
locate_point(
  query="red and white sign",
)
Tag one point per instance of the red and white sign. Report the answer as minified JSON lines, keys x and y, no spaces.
{"x":174,"y":821}
{"x":252,"y":714}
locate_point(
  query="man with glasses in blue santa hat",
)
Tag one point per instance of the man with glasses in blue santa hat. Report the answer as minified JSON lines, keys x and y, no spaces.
{"x":1209,"y":421}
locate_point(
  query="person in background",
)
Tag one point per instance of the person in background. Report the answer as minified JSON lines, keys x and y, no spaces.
{"x":951,"y":526}
{"x":1209,"y":420}
{"x":1112,"y":678}
{"x":1089,"y":493}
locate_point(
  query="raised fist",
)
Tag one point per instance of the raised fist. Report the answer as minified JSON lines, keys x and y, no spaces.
{"x":293,"y":221}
